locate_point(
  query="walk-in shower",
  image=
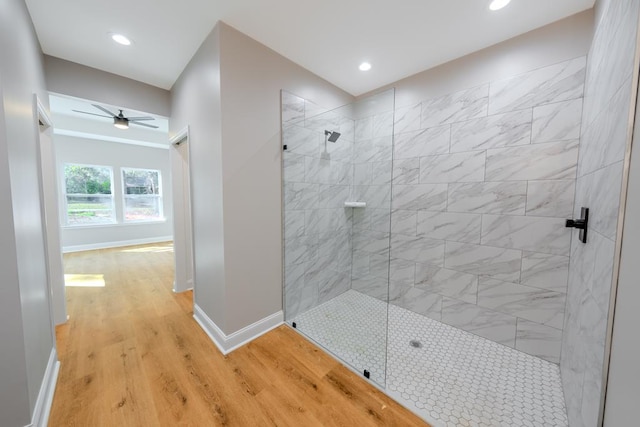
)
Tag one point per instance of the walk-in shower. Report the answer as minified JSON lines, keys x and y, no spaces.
{"x":428,"y":249}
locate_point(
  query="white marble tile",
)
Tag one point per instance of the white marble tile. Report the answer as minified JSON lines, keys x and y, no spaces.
{"x":610,"y":60}
{"x":302,"y":141}
{"x":364,"y":129}
{"x":422,"y":196}
{"x":342,"y":150}
{"x":600,"y":191}
{"x":539,"y":340}
{"x":293,"y":167}
{"x":417,"y":249}
{"x":293,"y":224}
{"x":416,"y":300}
{"x":406,"y":171}
{"x":381,"y":172}
{"x":372,"y":242}
{"x":605,"y":141}
{"x":347,"y":129}
{"x":383,"y":124}
{"x":362,"y":174}
{"x":427,"y":142}
{"x":376,"y":196}
{"x":317,"y":171}
{"x":374,"y":287}
{"x":501,"y":130}
{"x":379,"y":266}
{"x":372,"y":150}
{"x":449,"y":283}
{"x":404,"y":222}
{"x":292,"y":108}
{"x":332,"y":284}
{"x":550,"y":160}
{"x":332,"y":196}
{"x":328,"y":221}
{"x":298,"y":195}
{"x":489,"y":324}
{"x":402,"y":271}
{"x":380,"y":219}
{"x":557,"y":122}
{"x":537,"y":234}
{"x":457,"y":227}
{"x":545,"y":271}
{"x":324,"y":121}
{"x":508,"y":198}
{"x":459,"y":167}
{"x":341,"y":173}
{"x":551,"y":198}
{"x":301,"y":249}
{"x":503,"y":264}
{"x":407,"y":119}
{"x":312,"y":110}
{"x":300,"y":296}
{"x":534,"y":304}
{"x":360,"y":264}
{"x":456,"y":107}
{"x":555,"y":83}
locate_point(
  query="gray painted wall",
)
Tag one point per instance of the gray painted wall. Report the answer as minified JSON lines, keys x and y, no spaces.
{"x":229,"y":95}
{"x":25,"y":316}
{"x":69,"y":78}
{"x":93,"y":152}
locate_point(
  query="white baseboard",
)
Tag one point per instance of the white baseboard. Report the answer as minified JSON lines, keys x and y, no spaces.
{"x":106,"y":245}
{"x":42,"y":409}
{"x":227,"y":343}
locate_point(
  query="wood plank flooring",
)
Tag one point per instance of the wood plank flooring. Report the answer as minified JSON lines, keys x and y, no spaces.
{"x":132,"y":355}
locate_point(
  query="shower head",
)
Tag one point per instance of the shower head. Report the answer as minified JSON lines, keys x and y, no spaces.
{"x":333,"y":136}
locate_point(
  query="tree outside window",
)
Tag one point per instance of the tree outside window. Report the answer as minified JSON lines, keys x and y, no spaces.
{"x":88,"y":194}
{"x":142,"y":195}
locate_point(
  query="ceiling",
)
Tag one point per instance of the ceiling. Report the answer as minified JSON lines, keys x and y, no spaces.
{"x":329,"y":37}
{"x":69,"y":122}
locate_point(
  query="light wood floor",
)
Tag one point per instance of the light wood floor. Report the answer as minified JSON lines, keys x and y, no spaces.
{"x":132,"y":355}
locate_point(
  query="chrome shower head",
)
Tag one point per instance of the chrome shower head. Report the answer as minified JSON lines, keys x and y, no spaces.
{"x":333,"y":136}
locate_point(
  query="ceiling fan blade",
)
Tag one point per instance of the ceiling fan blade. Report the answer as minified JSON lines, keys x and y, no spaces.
{"x":100,"y":107}
{"x":93,"y":114}
{"x":142,"y":124}
{"x":140,"y":118}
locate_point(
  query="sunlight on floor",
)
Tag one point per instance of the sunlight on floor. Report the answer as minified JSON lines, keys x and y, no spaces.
{"x":157,"y":249}
{"x":84,"y":280}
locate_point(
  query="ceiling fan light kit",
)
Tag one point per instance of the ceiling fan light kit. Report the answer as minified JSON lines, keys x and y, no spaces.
{"x":119,"y":120}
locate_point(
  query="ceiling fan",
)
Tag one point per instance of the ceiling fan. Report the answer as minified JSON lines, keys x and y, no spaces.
{"x":120,"y":120}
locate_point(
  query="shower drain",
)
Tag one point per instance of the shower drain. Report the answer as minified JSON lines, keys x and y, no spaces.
{"x":415,"y":344}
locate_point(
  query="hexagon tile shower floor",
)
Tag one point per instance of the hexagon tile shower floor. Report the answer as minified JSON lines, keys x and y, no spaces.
{"x":453,"y":379}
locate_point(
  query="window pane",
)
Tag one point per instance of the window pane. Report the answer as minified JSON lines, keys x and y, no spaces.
{"x":88,"y":194}
{"x":142,"y":195}
{"x":89,"y":209}
{"x":142,"y":207}
{"x":141,"y":181}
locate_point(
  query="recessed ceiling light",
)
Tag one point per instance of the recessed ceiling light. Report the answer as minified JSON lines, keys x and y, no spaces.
{"x":498,"y":4}
{"x":365,"y":66}
{"x":119,"y":38}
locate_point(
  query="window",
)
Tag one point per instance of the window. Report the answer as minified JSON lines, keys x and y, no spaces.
{"x":88,"y":194}
{"x":142,"y":195}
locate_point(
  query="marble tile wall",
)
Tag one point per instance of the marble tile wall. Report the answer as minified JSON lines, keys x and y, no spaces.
{"x":604,"y":134}
{"x":318,"y":179}
{"x":482,"y":182}
{"x":373,"y":150}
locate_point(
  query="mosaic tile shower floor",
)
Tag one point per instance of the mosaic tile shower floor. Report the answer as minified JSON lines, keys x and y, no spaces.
{"x":453,"y":379}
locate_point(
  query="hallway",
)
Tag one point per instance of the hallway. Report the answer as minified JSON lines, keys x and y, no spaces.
{"x":132,"y":355}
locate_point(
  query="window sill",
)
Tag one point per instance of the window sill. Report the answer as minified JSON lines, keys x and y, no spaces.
{"x":115,"y":224}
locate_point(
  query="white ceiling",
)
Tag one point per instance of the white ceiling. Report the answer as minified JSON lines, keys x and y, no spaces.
{"x":68,"y":122}
{"x":329,"y":37}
